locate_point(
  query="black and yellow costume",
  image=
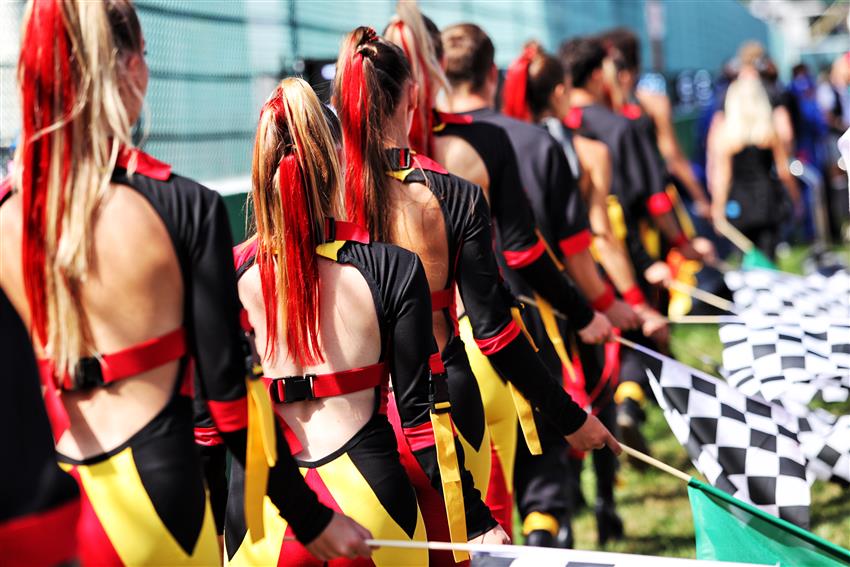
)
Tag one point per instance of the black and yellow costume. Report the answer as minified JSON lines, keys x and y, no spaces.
{"x":496,"y":328}
{"x":364,"y":478}
{"x":144,"y":502}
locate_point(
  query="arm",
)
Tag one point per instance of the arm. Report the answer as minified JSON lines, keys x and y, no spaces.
{"x":212,"y":316}
{"x":658,"y":107}
{"x":721,"y":180}
{"x":780,"y":158}
{"x":413,"y":378}
{"x":499,"y":337}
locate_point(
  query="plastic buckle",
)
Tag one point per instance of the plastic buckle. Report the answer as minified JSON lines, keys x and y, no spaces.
{"x":298,"y":388}
{"x":438,"y":393}
{"x":88,"y":374}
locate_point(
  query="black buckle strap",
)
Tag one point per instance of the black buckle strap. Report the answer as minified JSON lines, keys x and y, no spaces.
{"x":328,"y":233}
{"x":438,"y":393}
{"x":400,"y":158}
{"x":290,"y":389}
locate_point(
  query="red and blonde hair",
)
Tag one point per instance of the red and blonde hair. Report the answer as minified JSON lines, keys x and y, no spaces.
{"x":296,"y":184}
{"x":371,"y":75}
{"x":530,"y":82}
{"x":416,"y":36}
{"x":73,"y":99}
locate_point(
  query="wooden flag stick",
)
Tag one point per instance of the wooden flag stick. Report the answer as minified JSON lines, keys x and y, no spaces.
{"x":655,"y":463}
{"x":703,"y":296}
{"x":734,"y":235}
{"x":704,"y":319}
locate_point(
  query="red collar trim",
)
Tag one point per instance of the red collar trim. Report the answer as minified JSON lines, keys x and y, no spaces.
{"x":5,"y":189}
{"x":631,"y":111}
{"x":574,"y":117}
{"x":337,"y":230}
{"x":424,"y":162}
{"x":244,"y":251}
{"x":146,"y":165}
{"x":448,"y":118}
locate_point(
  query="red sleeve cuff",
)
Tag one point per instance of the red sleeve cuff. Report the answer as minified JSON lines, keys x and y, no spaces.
{"x":521,"y":258}
{"x":576,"y":243}
{"x":435,"y":362}
{"x":634,"y":296}
{"x":658,"y":204}
{"x":207,"y":436}
{"x":230,"y":415}
{"x":605,"y":300}
{"x":496,"y":343}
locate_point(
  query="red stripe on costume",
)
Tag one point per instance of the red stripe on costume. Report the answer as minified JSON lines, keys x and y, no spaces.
{"x":424,"y":162}
{"x":578,"y":242}
{"x":634,"y":296}
{"x":94,"y":545}
{"x":350,"y":231}
{"x":147,"y":165}
{"x":500,"y":341}
{"x":44,"y":539}
{"x":229,"y":415}
{"x":243,"y":252}
{"x":435,"y":361}
{"x":500,"y":498}
{"x":420,"y":437}
{"x":5,"y":189}
{"x":207,"y":436}
{"x":449,"y":118}
{"x":605,"y":300}
{"x":659,"y":204}
{"x":573,"y":118}
{"x":631,"y":111}
{"x":521,"y":258}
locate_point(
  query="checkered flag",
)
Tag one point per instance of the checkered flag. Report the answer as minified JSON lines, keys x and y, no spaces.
{"x":779,"y":294}
{"x":788,"y":361}
{"x":825,"y":441}
{"x":743,"y":445}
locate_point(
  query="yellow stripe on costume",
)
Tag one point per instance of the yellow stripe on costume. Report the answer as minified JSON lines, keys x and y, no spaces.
{"x":617,"y":217}
{"x":265,"y":551}
{"x":629,"y":390}
{"x":330,"y":250}
{"x":131,"y":522}
{"x":358,"y":501}
{"x":547,"y":314}
{"x":260,"y":455}
{"x":524,"y":411}
{"x":447,"y":462}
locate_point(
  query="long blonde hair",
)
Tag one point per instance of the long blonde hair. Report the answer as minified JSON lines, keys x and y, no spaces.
{"x":408,"y":30}
{"x":748,"y":115}
{"x":73,"y":55}
{"x":297,"y":182}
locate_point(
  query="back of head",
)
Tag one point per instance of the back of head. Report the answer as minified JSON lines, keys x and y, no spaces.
{"x":530,"y":82}
{"x":469,"y":55}
{"x":409,"y":30}
{"x":580,"y":57}
{"x":623,"y":45}
{"x":371,"y":76}
{"x":296,"y":183}
{"x":74,"y":106}
{"x":748,"y":115}
{"x":751,"y":54}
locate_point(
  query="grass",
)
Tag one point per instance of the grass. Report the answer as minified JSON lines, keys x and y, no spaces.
{"x":654,"y":505}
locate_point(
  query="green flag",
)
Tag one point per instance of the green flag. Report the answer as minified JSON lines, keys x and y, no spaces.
{"x":755,"y":258}
{"x":730,"y":530}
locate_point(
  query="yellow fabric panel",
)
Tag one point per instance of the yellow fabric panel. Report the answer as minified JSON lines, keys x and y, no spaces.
{"x":478,"y":461}
{"x":447,"y":462}
{"x":357,"y":501}
{"x":330,"y":250}
{"x":681,"y":303}
{"x":260,"y":454}
{"x":129,"y":518}
{"x":617,"y":217}
{"x":266,"y":551}
{"x":524,"y":411}
{"x":651,"y":239}
{"x":498,"y":404}
{"x":540,"y":521}
{"x":629,"y":390}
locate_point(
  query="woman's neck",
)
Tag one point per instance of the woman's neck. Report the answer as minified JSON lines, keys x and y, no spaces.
{"x":395,"y":136}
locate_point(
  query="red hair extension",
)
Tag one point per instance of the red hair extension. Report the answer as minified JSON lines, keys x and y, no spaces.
{"x":301,"y":273}
{"x":514,"y":91}
{"x":421,"y":134}
{"x":47,"y":49}
{"x":355,"y":99}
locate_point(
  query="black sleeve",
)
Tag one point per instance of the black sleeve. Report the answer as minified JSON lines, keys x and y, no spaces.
{"x":640,"y":258}
{"x":415,"y":389}
{"x":633,"y":182}
{"x":566,"y":209}
{"x":488,"y":304}
{"x":546,"y":279}
{"x":215,"y":339}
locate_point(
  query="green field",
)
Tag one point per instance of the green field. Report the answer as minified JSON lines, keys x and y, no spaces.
{"x":654,"y":505}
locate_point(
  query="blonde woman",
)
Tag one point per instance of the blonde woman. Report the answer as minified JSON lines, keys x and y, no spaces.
{"x":123,"y":272}
{"x":751,"y":174}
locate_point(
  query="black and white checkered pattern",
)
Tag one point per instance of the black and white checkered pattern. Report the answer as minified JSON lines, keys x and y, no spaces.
{"x":825,"y":441}
{"x":788,"y":361}
{"x":772,"y":293}
{"x":743,"y":444}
